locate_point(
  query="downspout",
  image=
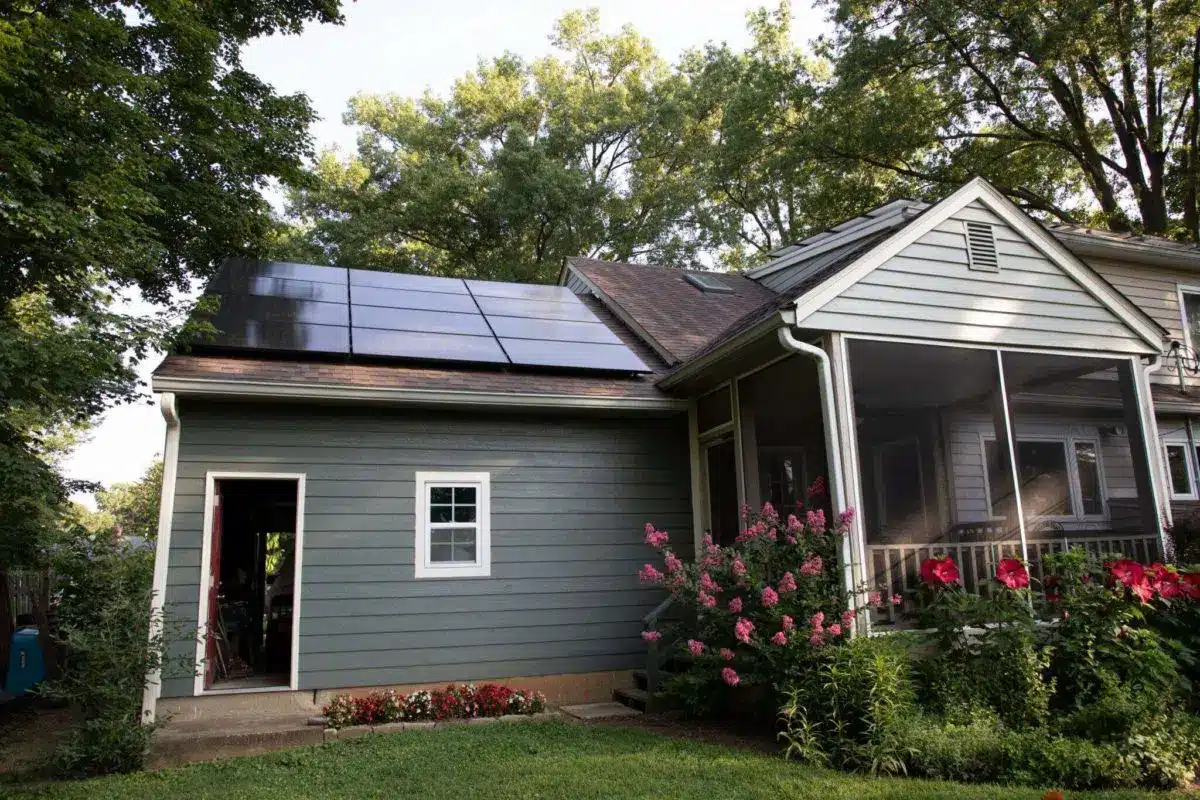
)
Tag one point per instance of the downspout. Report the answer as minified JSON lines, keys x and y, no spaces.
{"x":162,"y":548}
{"x":833,"y":445}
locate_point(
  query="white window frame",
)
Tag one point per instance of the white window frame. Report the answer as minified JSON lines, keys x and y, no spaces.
{"x":1068,"y":442}
{"x":1182,"y":289}
{"x":481,"y":482}
{"x":1189,"y":458}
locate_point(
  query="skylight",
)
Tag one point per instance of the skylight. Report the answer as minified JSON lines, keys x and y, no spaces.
{"x":707,"y":283}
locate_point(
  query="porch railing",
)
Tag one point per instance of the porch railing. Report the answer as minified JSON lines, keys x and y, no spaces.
{"x":896,"y":567}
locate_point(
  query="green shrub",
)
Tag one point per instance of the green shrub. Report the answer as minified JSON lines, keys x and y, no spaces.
{"x":101,"y":745}
{"x":850,"y":708}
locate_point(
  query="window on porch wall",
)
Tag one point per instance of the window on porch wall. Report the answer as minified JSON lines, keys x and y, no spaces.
{"x":935,"y":471}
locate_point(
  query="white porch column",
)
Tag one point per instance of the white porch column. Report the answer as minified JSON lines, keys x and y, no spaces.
{"x":1149,"y":471}
{"x":854,"y":548}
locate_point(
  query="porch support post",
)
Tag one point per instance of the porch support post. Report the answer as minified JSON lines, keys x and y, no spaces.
{"x":854,"y":548}
{"x":748,"y":451}
{"x":1143,"y":447}
{"x":735,"y":404}
{"x":1007,"y":446}
{"x":699,"y":491}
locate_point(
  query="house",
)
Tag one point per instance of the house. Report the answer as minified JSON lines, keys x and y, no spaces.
{"x":375,"y":479}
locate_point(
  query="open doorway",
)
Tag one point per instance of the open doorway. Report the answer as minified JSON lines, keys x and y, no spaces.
{"x":249,"y":609}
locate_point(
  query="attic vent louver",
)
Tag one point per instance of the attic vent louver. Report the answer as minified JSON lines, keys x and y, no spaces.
{"x":981,"y":247}
{"x":707,"y":283}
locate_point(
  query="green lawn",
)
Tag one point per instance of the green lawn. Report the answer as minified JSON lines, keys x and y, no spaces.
{"x":529,"y":760}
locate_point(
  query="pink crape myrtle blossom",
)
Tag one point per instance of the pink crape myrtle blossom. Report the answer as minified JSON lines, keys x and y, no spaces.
{"x":725,"y":653}
{"x":780,"y":639}
{"x":815,"y":640}
{"x":793,"y":524}
{"x":695,"y":647}
{"x":897,"y":599}
{"x":730,"y":676}
{"x":769,"y":597}
{"x":707,"y":600}
{"x":787,"y":583}
{"x":673,"y":563}
{"x":651,"y":636}
{"x":656,"y":539}
{"x":875,"y":599}
{"x":815,"y":519}
{"x":813,"y":565}
{"x":847,"y":619}
{"x":742,"y":629}
{"x":769,"y":513}
{"x":707,"y":584}
{"x":739,"y":569}
{"x":745,"y":512}
{"x":835,"y":629}
{"x":817,"y":620}
{"x":735,"y":605}
{"x":787,"y":622}
{"x":791,"y":539}
{"x":648,"y":574}
{"x":845,"y":518}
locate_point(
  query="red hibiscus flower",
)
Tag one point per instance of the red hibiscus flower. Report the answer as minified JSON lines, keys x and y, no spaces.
{"x":1128,"y":572}
{"x":938,"y":572}
{"x":1164,"y":580}
{"x":1191,"y":584}
{"x":1143,"y":591}
{"x":1012,"y":573}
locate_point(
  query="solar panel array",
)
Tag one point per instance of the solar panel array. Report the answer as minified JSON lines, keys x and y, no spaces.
{"x":271,"y":305}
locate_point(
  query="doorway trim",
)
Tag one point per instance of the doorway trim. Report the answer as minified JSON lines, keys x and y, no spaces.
{"x":210,"y":485}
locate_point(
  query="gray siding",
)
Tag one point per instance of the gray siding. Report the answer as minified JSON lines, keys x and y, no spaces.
{"x":928,"y":291}
{"x":570,"y":497}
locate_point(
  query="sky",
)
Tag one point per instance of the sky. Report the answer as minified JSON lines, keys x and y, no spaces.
{"x":406,"y":47}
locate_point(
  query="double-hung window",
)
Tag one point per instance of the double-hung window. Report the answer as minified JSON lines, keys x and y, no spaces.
{"x":1180,"y":469}
{"x":1059,"y":478}
{"x":453,"y":531}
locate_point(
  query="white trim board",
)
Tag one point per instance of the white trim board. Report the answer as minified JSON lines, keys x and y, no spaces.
{"x":162,"y":547}
{"x":210,"y":482}
{"x":983,"y":192}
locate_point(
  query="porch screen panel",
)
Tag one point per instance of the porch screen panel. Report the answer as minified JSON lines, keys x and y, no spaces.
{"x":782,"y":438}
{"x":919,"y":412}
{"x":1075,"y":463}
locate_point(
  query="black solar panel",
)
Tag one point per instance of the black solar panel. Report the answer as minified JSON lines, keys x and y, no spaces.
{"x":313,"y":309}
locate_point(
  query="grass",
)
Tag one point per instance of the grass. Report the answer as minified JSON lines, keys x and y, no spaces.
{"x":529,"y":760}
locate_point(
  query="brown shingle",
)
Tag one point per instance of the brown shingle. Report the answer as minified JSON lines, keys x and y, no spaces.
{"x":679,"y":317}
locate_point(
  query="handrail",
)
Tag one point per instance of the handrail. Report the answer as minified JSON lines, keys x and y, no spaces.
{"x":659,"y":610}
{"x":656,"y":651}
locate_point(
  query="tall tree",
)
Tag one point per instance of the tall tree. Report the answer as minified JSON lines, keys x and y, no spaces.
{"x":762,"y":178}
{"x":1050,"y":99}
{"x":133,"y":148}
{"x":521,"y":164}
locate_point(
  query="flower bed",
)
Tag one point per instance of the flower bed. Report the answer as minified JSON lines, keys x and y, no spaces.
{"x":465,"y":701}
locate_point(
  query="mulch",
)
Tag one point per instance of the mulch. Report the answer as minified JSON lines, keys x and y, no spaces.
{"x":30,"y":730}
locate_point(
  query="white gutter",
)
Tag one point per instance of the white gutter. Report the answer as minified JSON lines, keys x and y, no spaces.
{"x":162,"y":549}
{"x":213,"y":387}
{"x":833,"y":446}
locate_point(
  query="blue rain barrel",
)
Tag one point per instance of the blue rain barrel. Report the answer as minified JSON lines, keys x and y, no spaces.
{"x":26,"y":667}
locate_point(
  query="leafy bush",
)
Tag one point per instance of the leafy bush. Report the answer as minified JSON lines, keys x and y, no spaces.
{"x":848,"y":710}
{"x":454,"y":702}
{"x":756,"y":612}
{"x":104,"y":627}
{"x":1185,"y":538}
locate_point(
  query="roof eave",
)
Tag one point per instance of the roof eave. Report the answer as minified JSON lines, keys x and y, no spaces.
{"x":379,"y":395}
{"x":690,"y":369}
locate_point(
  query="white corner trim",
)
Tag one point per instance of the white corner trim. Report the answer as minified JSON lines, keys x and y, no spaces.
{"x":980,"y":190}
{"x":162,"y":546}
{"x":210,"y":484}
{"x":422,"y":567}
{"x":215,"y":387}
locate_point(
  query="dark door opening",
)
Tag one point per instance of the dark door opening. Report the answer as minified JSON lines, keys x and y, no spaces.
{"x":722,"y":492}
{"x":252,"y":571}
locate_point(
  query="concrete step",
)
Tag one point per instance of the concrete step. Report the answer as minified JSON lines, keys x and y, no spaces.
{"x":633,"y":697}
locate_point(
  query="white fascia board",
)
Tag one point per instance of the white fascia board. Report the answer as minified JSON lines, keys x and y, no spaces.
{"x":210,"y":387}
{"x":1039,"y":237}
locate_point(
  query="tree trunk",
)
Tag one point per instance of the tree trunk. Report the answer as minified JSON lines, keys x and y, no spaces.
{"x":7,"y":623}
{"x":41,"y":616}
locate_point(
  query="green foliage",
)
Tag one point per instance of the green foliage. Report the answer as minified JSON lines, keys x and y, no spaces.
{"x":131,"y":509}
{"x":1051,"y":101}
{"x":850,"y":707}
{"x":1185,"y":538}
{"x":105,"y":629}
{"x":134,"y":148}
